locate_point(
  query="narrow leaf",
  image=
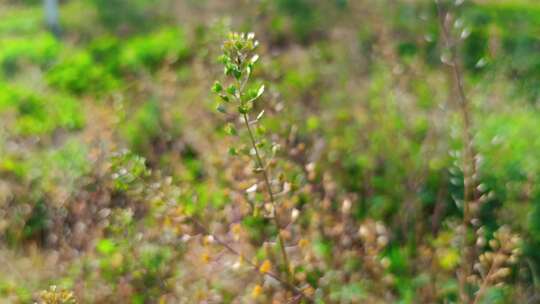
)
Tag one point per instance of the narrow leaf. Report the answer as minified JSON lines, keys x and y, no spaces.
{"x":260,"y":92}
{"x":260,"y":115}
{"x":254,"y":59}
{"x":217,"y":87}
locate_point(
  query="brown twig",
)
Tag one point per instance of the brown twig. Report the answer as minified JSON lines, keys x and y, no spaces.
{"x":485,"y":283}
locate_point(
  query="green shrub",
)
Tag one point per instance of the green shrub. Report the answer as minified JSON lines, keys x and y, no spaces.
{"x":105,"y":51}
{"x":121,"y":14}
{"x":154,"y":49}
{"x":80,"y":74}
{"x":21,"y":20}
{"x":37,"y":115}
{"x":40,"y":50}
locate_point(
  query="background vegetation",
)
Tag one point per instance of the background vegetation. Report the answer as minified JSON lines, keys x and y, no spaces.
{"x":121,"y":183}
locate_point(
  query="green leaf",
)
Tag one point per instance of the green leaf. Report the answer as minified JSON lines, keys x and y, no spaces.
{"x":221,"y":108}
{"x":259,"y":92}
{"x":275,"y":149}
{"x":223,"y":59}
{"x":224,"y":97}
{"x":239,"y":45}
{"x":244,"y":108}
{"x":261,"y":130}
{"x":231,"y":89}
{"x":230,"y":129}
{"x":106,"y":246}
{"x":217,"y":87}
{"x":237,"y":73}
{"x":231,"y":69}
{"x":260,"y":115}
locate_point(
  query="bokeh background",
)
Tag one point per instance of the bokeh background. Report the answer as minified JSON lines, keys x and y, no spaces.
{"x":109,"y":140}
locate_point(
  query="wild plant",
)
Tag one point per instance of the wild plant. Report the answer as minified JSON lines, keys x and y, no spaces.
{"x":54,"y":295}
{"x":240,"y":97}
{"x":476,"y":272}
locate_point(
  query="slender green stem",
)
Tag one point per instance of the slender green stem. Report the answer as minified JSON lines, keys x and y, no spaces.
{"x":262,"y":166}
{"x":237,"y":64}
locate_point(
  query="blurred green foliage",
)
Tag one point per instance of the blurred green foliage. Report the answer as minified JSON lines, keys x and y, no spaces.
{"x":39,"y":115}
{"x":166,"y":45}
{"x":16,"y":51}
{"x":79,"y":74}
{"x":116,"y":14}
{"x":355,"y":96}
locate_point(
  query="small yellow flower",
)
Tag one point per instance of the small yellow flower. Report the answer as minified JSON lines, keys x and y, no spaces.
{"x":266,"y":266}
{"x":167,"y":222}
{"x":303,"y":243}
{"x":257,"y":291}
{"x":205,"y":257}
{"x":236,"y":230}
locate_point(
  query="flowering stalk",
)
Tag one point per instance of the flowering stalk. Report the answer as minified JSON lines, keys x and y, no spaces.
{"x":239,"y":60}
{"x":469,"y":163}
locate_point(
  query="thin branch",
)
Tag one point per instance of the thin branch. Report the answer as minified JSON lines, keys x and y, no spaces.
{"x":264,"y":171}
{"x":262,"y":165}
{"x":297,"y":291}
